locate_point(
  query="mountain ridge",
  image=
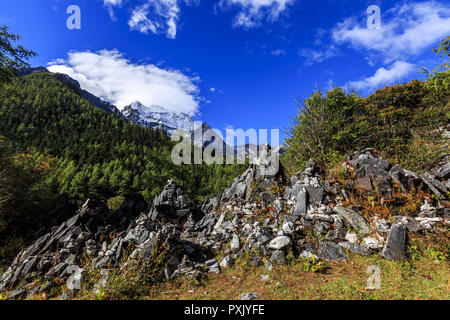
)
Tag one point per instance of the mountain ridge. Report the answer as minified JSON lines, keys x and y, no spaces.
{"x":158,"y":117}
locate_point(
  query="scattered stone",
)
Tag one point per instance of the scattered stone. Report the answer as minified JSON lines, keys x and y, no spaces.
{"x":249,"y":296}
{"x":267,"y":198}
{"x":226,"y":262}
{"x":306,"y":254}
{"x":269,"y":266}
{"x":188,"y":231}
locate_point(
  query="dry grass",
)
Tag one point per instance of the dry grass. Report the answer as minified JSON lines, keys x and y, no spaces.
{"x":423,"y":278}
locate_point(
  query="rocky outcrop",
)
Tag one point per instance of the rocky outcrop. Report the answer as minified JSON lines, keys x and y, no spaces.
{"x":376,"y":175}
{"x":270,"y":217}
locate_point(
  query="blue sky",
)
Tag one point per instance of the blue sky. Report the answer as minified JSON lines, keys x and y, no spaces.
{"x":231,"y":63}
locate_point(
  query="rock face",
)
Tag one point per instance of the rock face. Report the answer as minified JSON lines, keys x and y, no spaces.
{"x":268,"y":217}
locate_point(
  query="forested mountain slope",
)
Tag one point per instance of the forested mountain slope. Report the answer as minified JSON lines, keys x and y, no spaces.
{"x":57,"y":144}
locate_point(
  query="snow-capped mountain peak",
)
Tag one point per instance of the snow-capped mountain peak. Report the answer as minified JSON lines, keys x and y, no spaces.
{"x":158,"y":117}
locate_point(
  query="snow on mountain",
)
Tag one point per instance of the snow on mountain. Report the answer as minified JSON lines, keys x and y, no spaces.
{"x":201,"y":135}
{"x":157,"y":117}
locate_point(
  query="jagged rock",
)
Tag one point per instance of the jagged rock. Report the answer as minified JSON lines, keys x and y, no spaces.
{"x":240,"y":190}
{"x":306,"y":254}
{"x":355,"y":220}
{"x":171,"y":266}
{"x":264,"y":236}
{"x":372,"y":173}
{"x":398,"y":175}
{"x":396,"y":243}
{"x":16,"y":293}
{"x":172,"y":205}
{"x":443,"y":171}
{"x":56,"y":271}
{"x":175,"y":224}
{"x":28,"y":266}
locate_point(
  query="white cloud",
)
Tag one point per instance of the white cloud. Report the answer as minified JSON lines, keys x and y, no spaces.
{"x":253,"y":12}
{"x":162,"y":16}
{"x":383,"y":76}
{"x":316,"y":56}
{"x":212,"y":89}
{"x":278,"y":52}
{"x":109,"y":75}
{"x":109,"y":4}
{"x":158,"y":17}
{"x":112,"y":2}
{"x":406,"y":30}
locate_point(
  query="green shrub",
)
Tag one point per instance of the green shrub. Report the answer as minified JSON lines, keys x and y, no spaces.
{"x":327,"y":126}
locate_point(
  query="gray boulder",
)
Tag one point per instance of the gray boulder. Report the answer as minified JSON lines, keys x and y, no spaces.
{"x":279,"y":243}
